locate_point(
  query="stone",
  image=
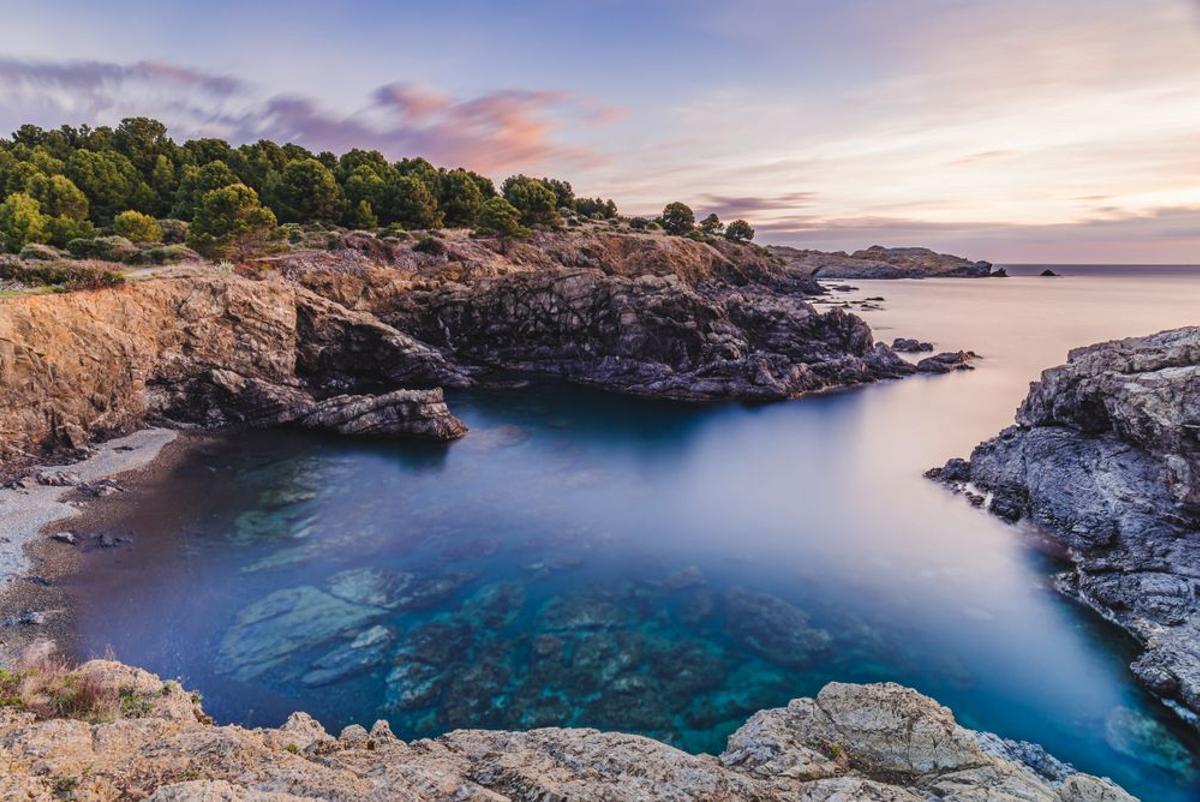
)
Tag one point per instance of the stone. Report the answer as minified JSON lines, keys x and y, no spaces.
{"x":906,"y":345}
{"x":851,"y":742}
{"x":65,"y":537}
{"x":1105,"y":459}
{"x":286,"y":621}
{"x":773,"y":628}
{"x":947,"y":361}
{"x":1047,"y":273}
{"x":367,"y":650}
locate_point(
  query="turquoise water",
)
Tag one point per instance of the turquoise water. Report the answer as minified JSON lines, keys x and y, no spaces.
{"x":589,"y":560}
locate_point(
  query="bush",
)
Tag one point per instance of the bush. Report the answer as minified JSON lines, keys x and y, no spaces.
{"x":678,"y":218}
{"x":639,"y":223}
{"x":739,"y":231}
{"x":110,"y":249}
{"x":21,"y":221}
{"x":36,"y":252}
{"x":431,"y":245}
{"x":498,"y":217}
{"x":52,"y":688}
{"x":137,"y":227}
{"x":61,"y":230}
{"x":174,"y":231}
{"x":65,"y":274}
{"x":231,"y":222}
{"x":165,"y":255}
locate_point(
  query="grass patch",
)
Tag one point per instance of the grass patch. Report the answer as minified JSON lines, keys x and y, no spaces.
{"x":51,"y":687}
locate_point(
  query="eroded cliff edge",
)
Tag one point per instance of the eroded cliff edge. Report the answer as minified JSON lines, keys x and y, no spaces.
{"x":140,"y":737}
{"x":361,"y":339}
{"x":1105,"y":457}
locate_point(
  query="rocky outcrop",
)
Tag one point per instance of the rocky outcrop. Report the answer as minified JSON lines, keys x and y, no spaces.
{"x":878,"y":742}
{"x":651,"y":335}
{"x":1105,"y":458}
{"x":201,"y":347}
{"x":878,"y":262}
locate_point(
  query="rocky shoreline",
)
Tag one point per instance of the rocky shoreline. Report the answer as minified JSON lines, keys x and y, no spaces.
{"x":136,"y":736}
{"x":1105,"y":459}
{"x":361,"y":339}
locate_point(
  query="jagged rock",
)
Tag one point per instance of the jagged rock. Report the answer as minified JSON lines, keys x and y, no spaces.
{"x":947,"y":361}
{"x":411,"y":413}
{"x":852,"y":742}
{"x":1106,"y":459}
{"x":906,"y":345}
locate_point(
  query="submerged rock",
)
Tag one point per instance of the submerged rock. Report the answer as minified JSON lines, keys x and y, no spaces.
{"x":850,"y":742}
{"x":287,"y":621}
{"x":773,"y":628}
{"x":1105,"y":458}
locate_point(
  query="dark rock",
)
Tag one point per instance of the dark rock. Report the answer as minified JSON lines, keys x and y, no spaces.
{"x":947,"y":361}
{"x":1047,"y":272}
{"x":907,"y":345}
{"x":1106,"y":460}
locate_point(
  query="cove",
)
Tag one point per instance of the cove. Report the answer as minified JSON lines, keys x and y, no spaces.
{"x":585,"y":559}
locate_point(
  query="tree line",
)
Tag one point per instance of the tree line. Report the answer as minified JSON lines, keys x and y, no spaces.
{"x":133,"y":180}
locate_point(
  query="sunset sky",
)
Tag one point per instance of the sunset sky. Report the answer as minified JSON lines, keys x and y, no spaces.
{"x":1013,"y":130}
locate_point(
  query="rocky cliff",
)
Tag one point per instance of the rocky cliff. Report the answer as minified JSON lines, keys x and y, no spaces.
{"x":210,"y":348}
{"x":852,"y":742}
{"x":1105,"y":457}
{"x":326,"y":339}
{"x":879,"y":262}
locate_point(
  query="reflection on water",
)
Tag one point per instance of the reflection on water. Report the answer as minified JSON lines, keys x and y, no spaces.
{"x":591,"y":560}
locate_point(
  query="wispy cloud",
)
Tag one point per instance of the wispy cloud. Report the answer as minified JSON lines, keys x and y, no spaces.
{"x":497,"y":131}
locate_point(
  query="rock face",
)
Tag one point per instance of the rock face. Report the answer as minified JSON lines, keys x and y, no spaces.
{"x":206,"y":348}
{"x":878,"y":262}
{"x":1105,"y":457}
{"x":852,"y":742}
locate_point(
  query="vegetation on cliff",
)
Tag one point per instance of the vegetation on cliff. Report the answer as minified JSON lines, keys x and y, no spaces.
{"x":62,"y":187}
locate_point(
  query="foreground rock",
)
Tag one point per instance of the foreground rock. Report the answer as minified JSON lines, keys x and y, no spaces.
{"x":878,"y":262}
{"x":879,"y":742}
{"x":1105,"y":457}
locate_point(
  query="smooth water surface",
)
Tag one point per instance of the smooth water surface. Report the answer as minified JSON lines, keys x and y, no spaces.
{"x":590,"y":560}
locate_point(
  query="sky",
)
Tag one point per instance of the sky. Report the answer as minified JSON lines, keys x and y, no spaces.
{"x":1008,"y":130}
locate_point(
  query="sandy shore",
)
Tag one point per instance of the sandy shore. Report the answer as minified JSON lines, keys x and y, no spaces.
{"x":26,"y":516}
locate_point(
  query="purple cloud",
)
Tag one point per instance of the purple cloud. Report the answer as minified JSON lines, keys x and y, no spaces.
{"x":502,"y":130}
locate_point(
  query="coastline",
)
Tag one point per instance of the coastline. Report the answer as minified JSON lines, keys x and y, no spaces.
{"x":33,"y":605}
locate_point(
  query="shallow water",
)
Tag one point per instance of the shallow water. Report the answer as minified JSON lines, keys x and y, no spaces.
{"x":591,"y":560}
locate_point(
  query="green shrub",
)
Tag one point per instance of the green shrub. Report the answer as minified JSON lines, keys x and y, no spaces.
{"x":110,"y":249}
{"x":173,"y":231}
{"x":498,"y":217}
{"x":137,"y":227}
{"x":431,"y":245}
{"x":165,"y":255}
{"x":69,"y":275}
{"x":37,"y":252}
{"x":21,"y":221}
{"x":739,"y":231}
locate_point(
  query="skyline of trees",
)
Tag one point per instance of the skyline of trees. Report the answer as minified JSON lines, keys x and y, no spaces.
{"x":69,"y":183}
